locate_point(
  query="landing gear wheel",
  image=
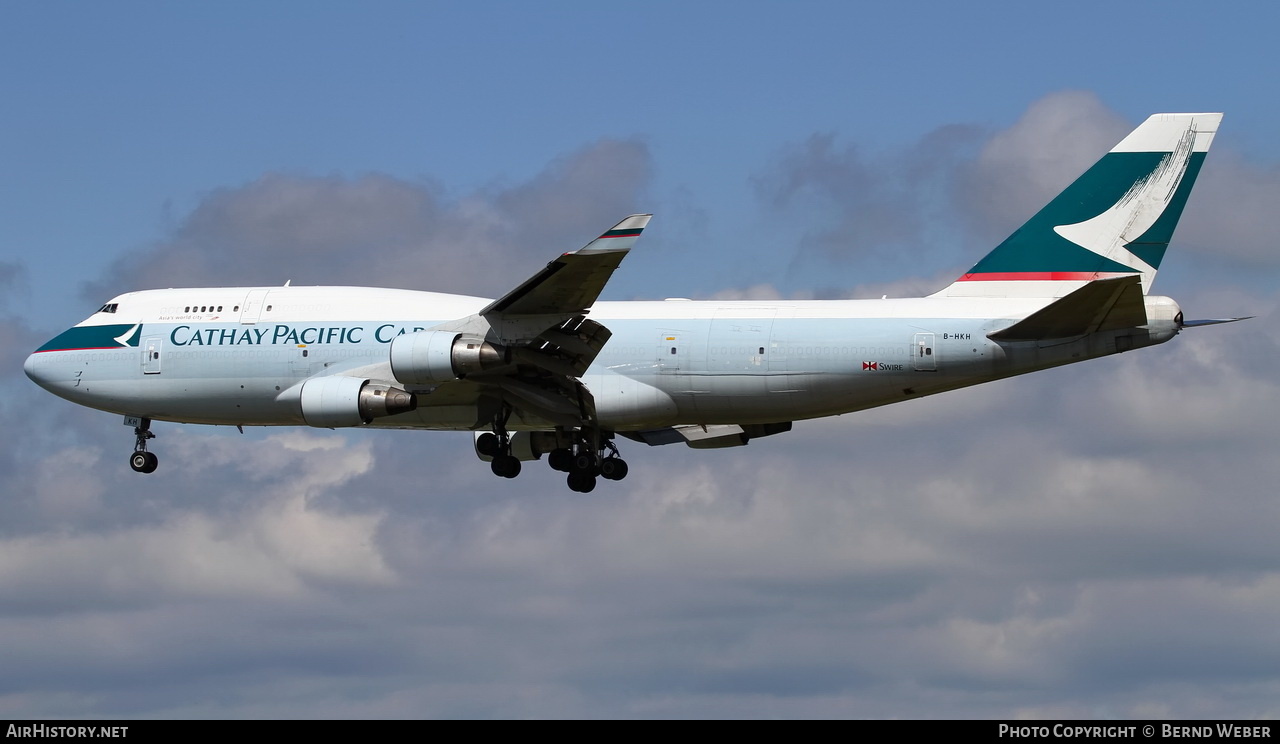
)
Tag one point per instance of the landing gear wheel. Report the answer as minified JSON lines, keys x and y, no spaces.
{"x":585,"y":462}
{"x":560,"y":459}
{"x":582,"y":482}
{"x":141,"y":460}
{"x":505,"y":466}
{"x":613,"y":468}
{"x":488,"y":445}
{"x":144,"y":462}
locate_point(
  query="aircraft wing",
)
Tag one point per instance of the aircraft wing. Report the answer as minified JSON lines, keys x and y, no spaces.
{"x":545,"y":338}
{"x":570,"y":284}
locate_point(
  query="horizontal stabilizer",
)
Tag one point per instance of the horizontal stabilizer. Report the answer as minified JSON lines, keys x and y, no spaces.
{"x":1212,"y":321}
{"x":1101,"y":305}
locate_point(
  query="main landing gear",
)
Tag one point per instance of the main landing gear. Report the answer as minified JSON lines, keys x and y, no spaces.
{"x":588,"y":456}
{"x":141,"y":460}
{"x":583,"y":463}
{"x":498,"y":446}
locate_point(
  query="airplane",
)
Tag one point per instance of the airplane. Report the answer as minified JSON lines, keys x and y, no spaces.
{"x":547,"y":369}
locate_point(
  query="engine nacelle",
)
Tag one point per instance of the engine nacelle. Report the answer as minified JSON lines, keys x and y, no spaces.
{"x":428,"y":357}
{"x":525,"y":445}
{"x":330,"y":402}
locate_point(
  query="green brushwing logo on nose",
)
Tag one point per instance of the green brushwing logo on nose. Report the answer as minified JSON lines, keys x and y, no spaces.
{"x":81,"y":338}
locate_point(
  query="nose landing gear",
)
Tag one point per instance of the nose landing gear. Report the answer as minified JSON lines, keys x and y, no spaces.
{"x":141,"y":460}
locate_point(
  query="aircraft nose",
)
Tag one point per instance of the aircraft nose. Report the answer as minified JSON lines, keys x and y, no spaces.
{"x":33,"y":369}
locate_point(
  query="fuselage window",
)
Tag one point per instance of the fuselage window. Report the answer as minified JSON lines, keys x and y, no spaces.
{"x":219,"y":308}
{"x":235,"y":309}
{"x":186,"y":309}
{"x":268,"y":308}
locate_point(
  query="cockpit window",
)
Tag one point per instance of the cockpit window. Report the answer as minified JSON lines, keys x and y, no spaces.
{"x":110,"y":307}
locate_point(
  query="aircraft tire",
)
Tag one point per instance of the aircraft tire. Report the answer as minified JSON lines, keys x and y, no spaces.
{"x":613,"y":468}
{"x":583,"y":462}
{"x":144,"y":462}
{"x":582,"y":482}
{"x":505,"y":466}
{"x":560,"y":459}
{"x":488,"y":445}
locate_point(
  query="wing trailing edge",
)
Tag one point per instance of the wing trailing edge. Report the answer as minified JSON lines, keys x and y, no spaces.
{"x":704,"y":436}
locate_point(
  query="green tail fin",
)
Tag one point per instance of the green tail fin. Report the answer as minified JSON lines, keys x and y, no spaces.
{"x":1115,"y":220}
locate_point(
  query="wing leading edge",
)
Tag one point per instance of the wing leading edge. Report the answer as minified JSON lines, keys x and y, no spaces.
{"x":570,"y":284}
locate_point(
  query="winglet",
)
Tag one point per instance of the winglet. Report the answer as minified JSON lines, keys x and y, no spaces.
{"x":570,"y":284}
{"x":619,"y":238}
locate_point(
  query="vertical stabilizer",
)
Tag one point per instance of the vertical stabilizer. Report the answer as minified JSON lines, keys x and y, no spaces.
{"x":1115,"y":220}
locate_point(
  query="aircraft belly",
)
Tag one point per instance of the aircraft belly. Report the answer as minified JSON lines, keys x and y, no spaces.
{"x":624,"y":402}
{"x":446,"y":418}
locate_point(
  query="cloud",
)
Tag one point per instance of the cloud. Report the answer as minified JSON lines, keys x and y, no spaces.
{"x":1226,"y":215}
{"x":13,"y":279}
{"x":1018,"y":170}
{"x":858,"y":206}
{"x":1089,"y":541}
{"x":377,"y":230}
{"x":947,"y":198}
{"x":269,"y":546}
{"x":1061,"y":135}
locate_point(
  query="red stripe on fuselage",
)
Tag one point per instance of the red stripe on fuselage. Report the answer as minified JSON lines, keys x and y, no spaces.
{"x":1041,"y":276}
{"x":86,"y":348}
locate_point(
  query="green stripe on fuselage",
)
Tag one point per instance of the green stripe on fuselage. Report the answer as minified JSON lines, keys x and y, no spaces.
{"x":93,"y":337}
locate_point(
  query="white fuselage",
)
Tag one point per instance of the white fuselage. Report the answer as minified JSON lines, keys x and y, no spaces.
{"x":239,"y":355}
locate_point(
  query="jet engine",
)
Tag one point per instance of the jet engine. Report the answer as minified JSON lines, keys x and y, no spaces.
{"x":428,"y":357}
{"x":329,"y":402}
{"x":525,"y":445}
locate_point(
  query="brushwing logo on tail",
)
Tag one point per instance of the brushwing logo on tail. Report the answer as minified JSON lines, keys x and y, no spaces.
{"x":1108,"y":234}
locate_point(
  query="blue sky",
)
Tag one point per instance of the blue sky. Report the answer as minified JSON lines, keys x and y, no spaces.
{"x":1091,"y":542}
{"x":121,"y":118}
